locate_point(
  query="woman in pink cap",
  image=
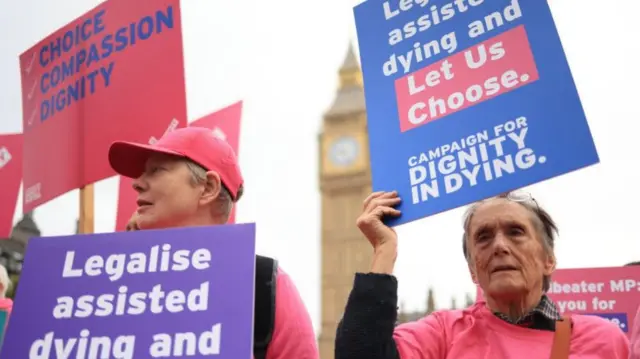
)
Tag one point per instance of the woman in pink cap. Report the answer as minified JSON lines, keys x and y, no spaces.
{"x":190,"y":177}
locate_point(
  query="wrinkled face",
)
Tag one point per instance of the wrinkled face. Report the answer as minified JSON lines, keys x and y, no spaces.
{"x":167,"y":196}
{"x":507,"y":256}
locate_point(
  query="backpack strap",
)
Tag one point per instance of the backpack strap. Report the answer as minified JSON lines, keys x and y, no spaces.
{"x":264,"y":316}
{"x":562,"y":339}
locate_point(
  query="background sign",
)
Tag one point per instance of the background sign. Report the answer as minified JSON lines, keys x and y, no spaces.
{"x":466,"y":101}
{"x":115,"y":73}
{"x":10,"y":178}
{"x":612,"y":293}
{"x":163,"y":294}
{"x":224,"y":123}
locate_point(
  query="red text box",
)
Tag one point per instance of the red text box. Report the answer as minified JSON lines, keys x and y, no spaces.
{"x":479,"y":73}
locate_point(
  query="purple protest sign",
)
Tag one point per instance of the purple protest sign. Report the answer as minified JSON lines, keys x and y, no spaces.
{"x":148,"y":294}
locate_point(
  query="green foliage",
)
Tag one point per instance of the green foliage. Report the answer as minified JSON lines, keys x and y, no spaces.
{"x":14,"y":285}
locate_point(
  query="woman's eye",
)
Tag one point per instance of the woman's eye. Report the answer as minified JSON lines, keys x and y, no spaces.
{"x":152,"y":170}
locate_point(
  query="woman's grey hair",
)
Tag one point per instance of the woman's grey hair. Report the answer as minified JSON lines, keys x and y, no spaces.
{"x":5,"y":282}
{"x":546,"y":226}
{"x":225,"y":200}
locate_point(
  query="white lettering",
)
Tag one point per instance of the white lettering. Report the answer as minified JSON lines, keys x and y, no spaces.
{"x":84,"y":347}
{"x":124,"y":303}
{"x":116,"y":265}
{"x":67,"y":270}
{"x":187,"y":344}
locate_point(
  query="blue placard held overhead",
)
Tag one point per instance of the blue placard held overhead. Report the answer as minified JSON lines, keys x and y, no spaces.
{"x":467,"y":99}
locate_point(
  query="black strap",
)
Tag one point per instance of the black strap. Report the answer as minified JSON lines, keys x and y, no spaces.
{"x":264,"y":305}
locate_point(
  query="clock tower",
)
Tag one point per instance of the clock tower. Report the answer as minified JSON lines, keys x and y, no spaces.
{"x":345,"y":181}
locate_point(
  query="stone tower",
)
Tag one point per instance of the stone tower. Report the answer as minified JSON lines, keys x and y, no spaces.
{"x":345,"y":181}
{"x":25,"y":229}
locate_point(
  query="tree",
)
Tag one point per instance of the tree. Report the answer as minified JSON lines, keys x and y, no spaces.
{"x":11,"y":292}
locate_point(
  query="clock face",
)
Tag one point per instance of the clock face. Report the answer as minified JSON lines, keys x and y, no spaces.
{"x":344,"y":151}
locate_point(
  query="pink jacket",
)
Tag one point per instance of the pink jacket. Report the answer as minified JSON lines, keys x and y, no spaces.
{"x":635,"y":338}
{"x":476,"y":333}
{"x":293,"y":336}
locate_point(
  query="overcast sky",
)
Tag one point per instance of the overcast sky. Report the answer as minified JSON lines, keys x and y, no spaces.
{"x":281,"y":57}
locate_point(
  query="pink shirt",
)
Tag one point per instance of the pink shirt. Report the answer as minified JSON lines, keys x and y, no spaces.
{"x":476,"y":333}
{"x":635,"y":338}
{"x":6,"y":304}
{"x":293,"y":336}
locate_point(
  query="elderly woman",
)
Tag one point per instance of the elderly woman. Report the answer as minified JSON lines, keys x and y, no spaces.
{"x":508,"y":243}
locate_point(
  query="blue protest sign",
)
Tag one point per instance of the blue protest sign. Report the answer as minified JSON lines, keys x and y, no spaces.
{"x":148,"y":294}
{"x":466,"y":99}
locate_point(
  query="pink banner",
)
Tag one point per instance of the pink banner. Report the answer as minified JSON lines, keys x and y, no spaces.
{"x":10,"y":178}
{"x":612,"y":293}
{"x":114,"y":73}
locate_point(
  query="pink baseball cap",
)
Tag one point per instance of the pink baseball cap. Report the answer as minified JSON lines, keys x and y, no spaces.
{"x":197,"y":144}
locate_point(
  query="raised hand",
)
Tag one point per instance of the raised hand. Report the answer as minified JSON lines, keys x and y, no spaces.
{"x":382,"y":237}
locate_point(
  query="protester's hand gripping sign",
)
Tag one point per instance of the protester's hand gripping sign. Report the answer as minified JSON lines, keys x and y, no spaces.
{"x":466,"y":99}
{"x":146,"y":294}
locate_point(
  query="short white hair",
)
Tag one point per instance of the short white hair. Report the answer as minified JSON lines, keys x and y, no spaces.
{"x":224,"y":205}
{"x":5,"y":282}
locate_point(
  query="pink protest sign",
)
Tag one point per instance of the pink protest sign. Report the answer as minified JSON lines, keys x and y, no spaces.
{"x":115,"y":73}
{"x":10,"y":178}
{"x":612,"y":293}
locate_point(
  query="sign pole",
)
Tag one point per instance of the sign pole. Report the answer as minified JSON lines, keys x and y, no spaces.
{"x":86,"y":209}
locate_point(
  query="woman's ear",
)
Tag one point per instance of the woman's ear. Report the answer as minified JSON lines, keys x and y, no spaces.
{"x":550,"y":265}
{"x":212,"y":188}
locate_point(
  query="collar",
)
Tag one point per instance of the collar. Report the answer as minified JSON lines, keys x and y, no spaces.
{"x":542,"y":317}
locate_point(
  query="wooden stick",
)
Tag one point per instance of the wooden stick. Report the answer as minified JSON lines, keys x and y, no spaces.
{"x":86,"y":210}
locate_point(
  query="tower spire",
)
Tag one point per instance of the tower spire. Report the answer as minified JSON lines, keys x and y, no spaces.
{"x":350,"y":73}
{"x":350,"y":96}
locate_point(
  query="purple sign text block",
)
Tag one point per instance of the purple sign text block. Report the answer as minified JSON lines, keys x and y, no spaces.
{"x":150,"y":294}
